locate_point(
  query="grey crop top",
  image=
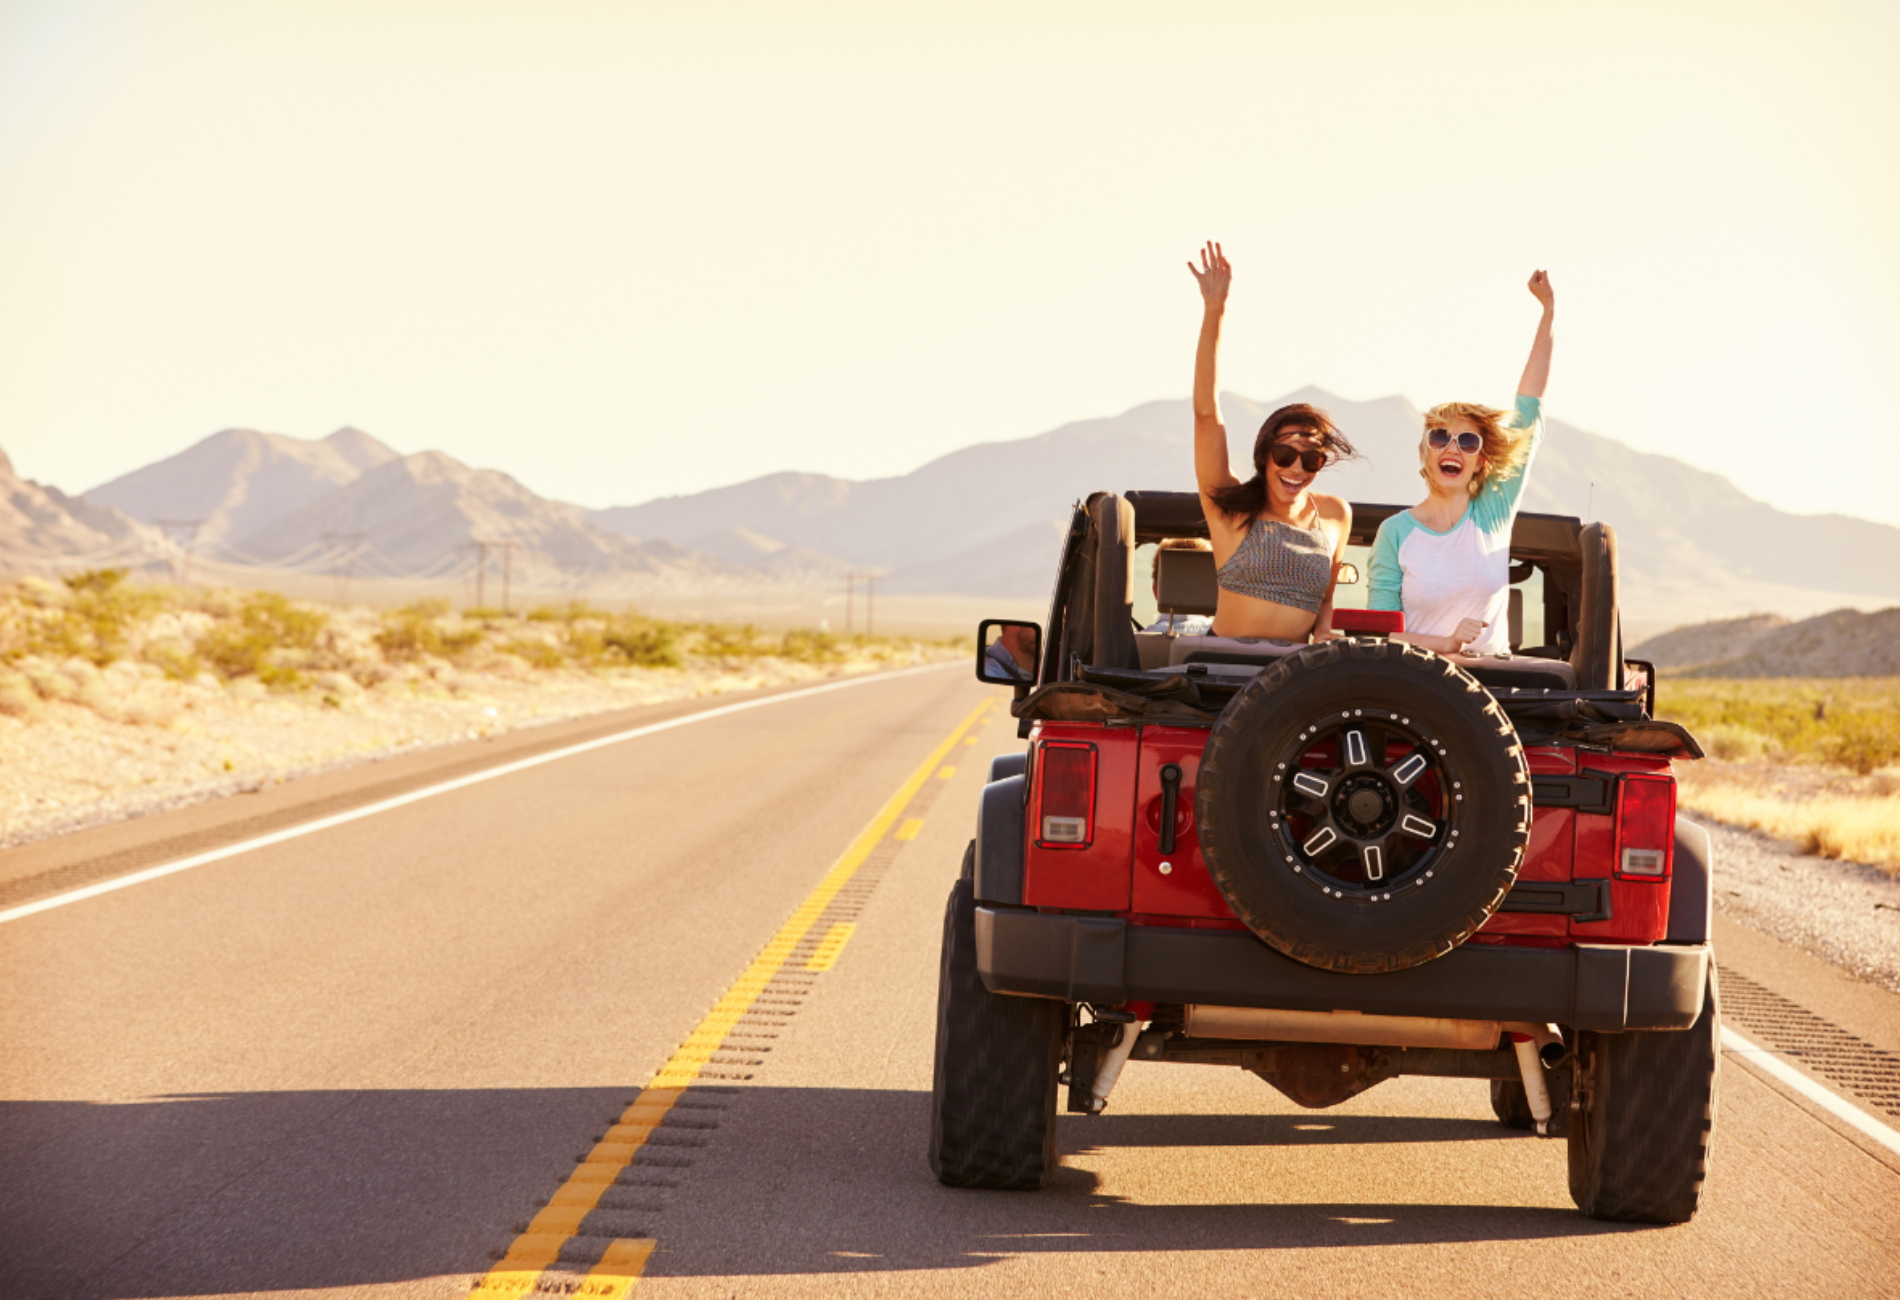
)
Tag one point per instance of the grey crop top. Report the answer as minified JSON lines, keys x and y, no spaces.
{"x":1280,"y":562}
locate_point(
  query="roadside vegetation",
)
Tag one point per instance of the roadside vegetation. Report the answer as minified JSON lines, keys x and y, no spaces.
{"x":1815,"y":761}
{"x":78,"y":640}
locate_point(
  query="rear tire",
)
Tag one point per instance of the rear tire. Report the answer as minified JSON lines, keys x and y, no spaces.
{"x":993,"y":1092}
{"x":1639,"y":1147}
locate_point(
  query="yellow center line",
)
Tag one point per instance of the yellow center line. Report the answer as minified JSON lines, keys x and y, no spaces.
{"x":548,"y":1233}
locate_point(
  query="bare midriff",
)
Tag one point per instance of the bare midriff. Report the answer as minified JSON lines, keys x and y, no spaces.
{"x":1238,"y":615}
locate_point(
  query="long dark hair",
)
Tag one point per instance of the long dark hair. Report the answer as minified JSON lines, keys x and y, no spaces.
{"x":1250,"y":498}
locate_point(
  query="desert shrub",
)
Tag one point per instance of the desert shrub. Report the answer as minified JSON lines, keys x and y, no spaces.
{"x":1864,"y":740}
{"x":269,"y":640}
{"x":1801,"y":720}
{"x":416,"y":630}
{"x":175,"y":658}
{"x":537,"y":653}
{"x":724,"y":641}
{"x":645,"y":642}
{"x":810,"y":646}
{"x":574,"y":611}
{"x":93,"y":618}
{"x":1732,"y":744}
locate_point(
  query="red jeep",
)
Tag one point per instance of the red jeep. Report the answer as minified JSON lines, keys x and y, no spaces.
{"x":1331,"y":865}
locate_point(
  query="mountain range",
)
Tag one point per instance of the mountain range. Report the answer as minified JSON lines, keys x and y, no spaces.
{"x":981,"y":521}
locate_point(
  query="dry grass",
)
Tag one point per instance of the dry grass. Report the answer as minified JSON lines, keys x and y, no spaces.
{"x":1829,"y":812}
{"x":1807,"y":760}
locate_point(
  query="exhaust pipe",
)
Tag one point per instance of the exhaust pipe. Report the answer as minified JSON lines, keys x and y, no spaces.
{"x":1111,"y":1065}
{"x":1531,"y":1069}
{"x":1355,"y":1028}
{"x":1342,"y":1027}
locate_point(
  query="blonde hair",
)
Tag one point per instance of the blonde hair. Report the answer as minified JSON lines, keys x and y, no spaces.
{"x":1504,"y":448}
{"x":1185,"y":544}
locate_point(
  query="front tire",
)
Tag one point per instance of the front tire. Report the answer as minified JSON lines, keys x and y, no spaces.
{"x":1639,"y":1146}
{"x":993,"y":1091}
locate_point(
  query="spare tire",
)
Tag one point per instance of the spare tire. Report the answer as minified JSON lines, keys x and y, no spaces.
{"x":1363,"y":805}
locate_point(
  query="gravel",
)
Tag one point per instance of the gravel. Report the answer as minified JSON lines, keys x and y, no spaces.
{"x":1845,"y":913}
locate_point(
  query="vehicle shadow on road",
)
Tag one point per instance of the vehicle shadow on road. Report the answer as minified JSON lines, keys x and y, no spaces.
{"x":288,"y":1191}
{"x":277,"y":1191}
{"x":835,"y":1180}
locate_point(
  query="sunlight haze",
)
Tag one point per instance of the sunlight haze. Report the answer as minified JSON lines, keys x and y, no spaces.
{"x":627,"y":250}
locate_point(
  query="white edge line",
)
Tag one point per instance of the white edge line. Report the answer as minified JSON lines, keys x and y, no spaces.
{"x":429,"y":792}
{"x":1835,"y":1105}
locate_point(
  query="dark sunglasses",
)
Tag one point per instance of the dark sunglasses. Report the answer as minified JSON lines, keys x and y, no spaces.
{"x":1468,"y":443}
{"x":1310,"y":461}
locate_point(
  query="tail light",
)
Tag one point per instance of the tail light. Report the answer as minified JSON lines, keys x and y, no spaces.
{"x":1645,"y":826}
{"x":1065,"y":794}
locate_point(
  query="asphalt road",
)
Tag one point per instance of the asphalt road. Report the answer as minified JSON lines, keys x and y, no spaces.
{"x":361,"y":1061}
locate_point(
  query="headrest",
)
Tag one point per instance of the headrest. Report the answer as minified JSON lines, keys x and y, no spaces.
{"x":1185,"y":582}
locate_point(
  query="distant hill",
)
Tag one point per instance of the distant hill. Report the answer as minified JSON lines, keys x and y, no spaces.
{"x":241,"y":481}
{"x":1693,"y":545}
{"x":1841,"y":643}
{"x":1705,"y":643}
{"x":413,"y":512}
{"x":41,"y":527}
{"x":982,"y":521}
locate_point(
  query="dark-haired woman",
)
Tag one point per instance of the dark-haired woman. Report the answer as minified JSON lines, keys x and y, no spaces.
{"x":1278,"y":544}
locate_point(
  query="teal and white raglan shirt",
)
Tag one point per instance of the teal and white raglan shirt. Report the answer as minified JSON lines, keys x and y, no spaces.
{"x":1439,"y":579}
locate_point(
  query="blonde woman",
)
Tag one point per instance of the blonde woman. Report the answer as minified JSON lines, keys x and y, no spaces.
{"x":1446,"y":562}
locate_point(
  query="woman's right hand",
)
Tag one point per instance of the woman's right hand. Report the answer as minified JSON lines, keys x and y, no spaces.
{"x":1213,"y":275}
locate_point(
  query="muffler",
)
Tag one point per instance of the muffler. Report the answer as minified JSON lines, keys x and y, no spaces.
{"x":1354,"y":1028}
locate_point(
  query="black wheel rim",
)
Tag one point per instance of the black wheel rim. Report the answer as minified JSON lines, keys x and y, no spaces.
{"x":1366,"y":805}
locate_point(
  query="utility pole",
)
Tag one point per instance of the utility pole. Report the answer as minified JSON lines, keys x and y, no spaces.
{"x":190,"y":529}
{"x":482,"y":548}
{"x":850,"y":579}
{"x":347,"y":558}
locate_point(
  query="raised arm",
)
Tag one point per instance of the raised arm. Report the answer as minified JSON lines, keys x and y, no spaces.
{"x":1211,"y":469}
{"x":1537,"y":369}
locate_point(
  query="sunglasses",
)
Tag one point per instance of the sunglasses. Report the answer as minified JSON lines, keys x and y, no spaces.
{"x":1310,"y":461}
{"x":1468,"y":443}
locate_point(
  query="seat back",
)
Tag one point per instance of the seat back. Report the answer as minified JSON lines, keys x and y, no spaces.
{"x":1184,"y":582}
{"x":1597,"y":654}
{"x":1113,"y":522}
{"x":1229,"y":649}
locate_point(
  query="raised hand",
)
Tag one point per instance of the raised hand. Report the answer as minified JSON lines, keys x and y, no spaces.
{"x":1215,"y":274}
{"x":1541,"y":290}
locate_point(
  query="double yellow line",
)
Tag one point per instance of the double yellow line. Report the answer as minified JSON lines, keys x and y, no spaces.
{"x":540,"y":1245}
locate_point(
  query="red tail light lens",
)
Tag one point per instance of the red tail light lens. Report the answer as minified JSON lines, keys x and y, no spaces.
{"x":1645,"y":826}
{"x":1065,"y":802}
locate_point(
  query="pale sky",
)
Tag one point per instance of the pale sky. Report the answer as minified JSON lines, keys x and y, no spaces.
{"x":629,"y":249}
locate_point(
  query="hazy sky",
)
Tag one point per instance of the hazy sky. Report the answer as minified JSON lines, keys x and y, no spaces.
{"x":626,"y":249}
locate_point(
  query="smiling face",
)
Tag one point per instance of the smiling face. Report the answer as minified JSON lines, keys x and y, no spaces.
{"x":1285,"y":483}
{"x":1448,"y":469}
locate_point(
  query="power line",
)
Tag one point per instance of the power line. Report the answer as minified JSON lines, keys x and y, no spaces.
{"x":181,"y":572}
{"x":341,"y":581}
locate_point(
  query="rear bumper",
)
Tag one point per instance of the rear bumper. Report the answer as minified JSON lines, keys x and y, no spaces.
{"x":1105,"y":960}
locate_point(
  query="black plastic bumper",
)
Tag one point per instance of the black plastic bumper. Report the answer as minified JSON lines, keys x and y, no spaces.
{"x":1105,"y":960}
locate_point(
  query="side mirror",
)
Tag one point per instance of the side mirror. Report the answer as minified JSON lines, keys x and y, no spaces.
{"x":1007,"y":652}
{"x":1348,"y":573}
